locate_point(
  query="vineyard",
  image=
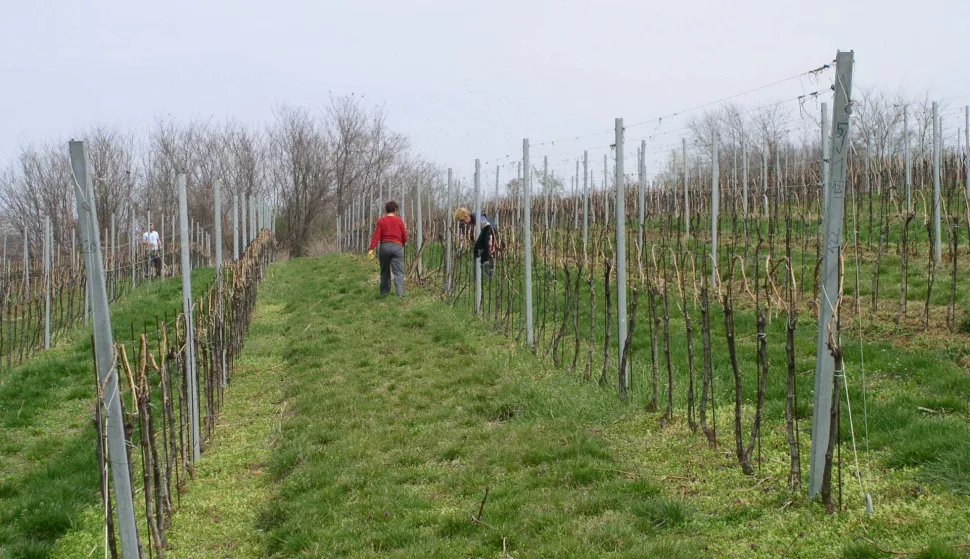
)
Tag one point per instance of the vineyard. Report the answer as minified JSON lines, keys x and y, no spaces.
{"x":755,"y":342}
{"x":156,"y":385}
{"x":43,"y":300}
{"x":697,"y":296}
{"x":159,"y":377}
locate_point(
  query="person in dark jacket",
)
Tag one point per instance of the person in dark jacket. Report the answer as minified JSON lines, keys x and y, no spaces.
{"x":485,"y":241}
{"x":390,"y":235}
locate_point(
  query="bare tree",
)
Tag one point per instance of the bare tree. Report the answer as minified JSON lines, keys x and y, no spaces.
{"x":346,"y":131}
{"x":112,"y":160}
{"x":35,"y":188}
{"x":307,"y":165}
{"x":299,"y":152}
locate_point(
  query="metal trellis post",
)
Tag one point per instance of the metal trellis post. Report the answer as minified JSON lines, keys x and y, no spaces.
{"x":715,"y":204}
{"x":829,"y":282}
{"x":585,"y":202}
{"x":620,"y":212}
{"x":47,"y":281}
{"x":937,"y":246}
{"x":744,"y":179}
{"x":450,"y":234}
{"x":825,"y":155}
{"x":235,"y":227}
{"x":104,"y":344}
{"x":527,"y":239}
{"x":190,"y":360}
{"x":641,"y":201}
{"x":909,"y":161}
{"x":683,"y":148}
{"x":420,"y":224}
{"x":478,"y":230}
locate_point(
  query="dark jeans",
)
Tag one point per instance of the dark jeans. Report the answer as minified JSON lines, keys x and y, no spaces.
{"x":391,"y":256}
{"x":156,"y":263}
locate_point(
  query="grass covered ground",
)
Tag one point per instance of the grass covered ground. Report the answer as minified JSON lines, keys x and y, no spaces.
{"x":219,"y":517}
{"x":367,"y":427}
{"x":48,"y":461}
{"x":909,"y":388}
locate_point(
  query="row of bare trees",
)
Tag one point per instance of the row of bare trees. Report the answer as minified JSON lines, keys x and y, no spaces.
{"x":308,"y":163}
{"x":880,"y":130}
{"x":314,"y":164}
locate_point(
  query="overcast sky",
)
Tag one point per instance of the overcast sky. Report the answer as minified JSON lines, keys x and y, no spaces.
{"x":461,"y":79}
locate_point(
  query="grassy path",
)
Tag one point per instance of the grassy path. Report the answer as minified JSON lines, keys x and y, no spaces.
{"x":219,"y":516}
{"x":398,"y":417}
{"x":366,"y":427}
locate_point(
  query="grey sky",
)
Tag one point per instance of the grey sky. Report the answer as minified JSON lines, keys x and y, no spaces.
{"x":461,"y":79}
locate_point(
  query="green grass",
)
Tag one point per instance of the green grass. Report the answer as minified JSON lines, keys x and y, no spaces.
{"x":398,"y":415}
{"x":366,"y":427}
{"x":48,"y":465}
{"x":904,"y":370}
{"x":220,"y":512}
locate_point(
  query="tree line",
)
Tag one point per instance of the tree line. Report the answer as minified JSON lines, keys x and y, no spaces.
{"x":309,"y":164}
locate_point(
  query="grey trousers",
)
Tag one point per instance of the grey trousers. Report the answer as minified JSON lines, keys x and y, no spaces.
{"x":488,"y":266}
{"x":391,"y":256}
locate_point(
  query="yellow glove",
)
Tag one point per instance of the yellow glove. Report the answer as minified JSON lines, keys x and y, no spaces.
{"x":370,"y":254}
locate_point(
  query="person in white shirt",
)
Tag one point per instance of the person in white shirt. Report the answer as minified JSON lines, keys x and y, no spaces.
{"x":150,"y":240}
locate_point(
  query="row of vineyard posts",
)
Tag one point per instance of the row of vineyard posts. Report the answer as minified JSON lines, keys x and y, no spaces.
{"x":43,"y":298}
{"x":159,"y":392}
{"x":722,"y":248}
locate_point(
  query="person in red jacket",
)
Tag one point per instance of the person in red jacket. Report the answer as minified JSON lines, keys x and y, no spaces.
{"x":391,"y":235}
